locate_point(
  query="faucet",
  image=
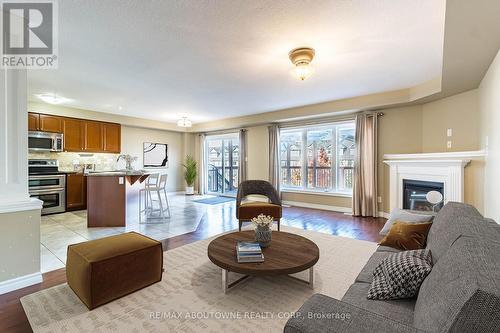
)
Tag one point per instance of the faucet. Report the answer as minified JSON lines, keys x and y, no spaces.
{"x":128,"y":160}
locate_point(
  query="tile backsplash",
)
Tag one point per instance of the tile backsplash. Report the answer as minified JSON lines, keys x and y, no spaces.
{"x":73,"y":161}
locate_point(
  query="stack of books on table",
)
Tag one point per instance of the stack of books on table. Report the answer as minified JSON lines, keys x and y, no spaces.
{"x":249,"y":252}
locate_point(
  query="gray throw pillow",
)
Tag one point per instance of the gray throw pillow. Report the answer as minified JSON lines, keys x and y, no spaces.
{"x":408,"y":216}
{"x":400,"y":275}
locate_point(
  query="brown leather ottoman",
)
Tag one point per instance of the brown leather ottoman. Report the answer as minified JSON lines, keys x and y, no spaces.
{"x":105,"y":269}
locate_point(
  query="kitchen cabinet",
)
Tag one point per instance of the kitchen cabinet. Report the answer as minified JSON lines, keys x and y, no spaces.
{"x":112,"y":137}
{"x":45,"y":123}
{"x":33,"y":121}
{"x":73,"y":134}
{"x":76,"y":191}
{"x":108,"y":195}
{"x":80,"y":135}
{"x":48,"y":123}
{"x":94,"y":136}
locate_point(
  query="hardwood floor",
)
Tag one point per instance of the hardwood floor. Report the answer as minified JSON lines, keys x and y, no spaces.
{"x":13,"y":319}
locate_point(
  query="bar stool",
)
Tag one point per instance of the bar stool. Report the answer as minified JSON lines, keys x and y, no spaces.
{"x":157,"y":185}
{"x":151,"y":181}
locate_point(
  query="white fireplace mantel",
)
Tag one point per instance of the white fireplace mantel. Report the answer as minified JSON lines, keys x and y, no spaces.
{"x":447,"y":168}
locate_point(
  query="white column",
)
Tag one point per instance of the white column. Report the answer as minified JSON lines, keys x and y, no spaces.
{"x":14,"y":143}
{"x":19,"y":215}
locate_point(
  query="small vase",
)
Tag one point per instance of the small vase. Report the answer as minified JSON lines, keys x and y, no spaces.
{"x":263,"y":236}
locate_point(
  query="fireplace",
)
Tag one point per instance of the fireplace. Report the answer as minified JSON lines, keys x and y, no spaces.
{"x":445,"y":169}
{"x":414,"y":192}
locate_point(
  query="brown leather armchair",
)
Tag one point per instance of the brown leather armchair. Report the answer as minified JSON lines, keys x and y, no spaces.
{"x":247,"y":210}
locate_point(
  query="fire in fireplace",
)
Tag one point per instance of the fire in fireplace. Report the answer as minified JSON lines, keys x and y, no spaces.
{"x":414,"y":192}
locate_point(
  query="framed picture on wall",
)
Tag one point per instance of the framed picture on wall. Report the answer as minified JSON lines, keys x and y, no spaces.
{"x":155,"y":155}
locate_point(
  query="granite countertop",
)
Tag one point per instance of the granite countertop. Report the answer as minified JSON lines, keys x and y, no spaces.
{"x":117,"y":173}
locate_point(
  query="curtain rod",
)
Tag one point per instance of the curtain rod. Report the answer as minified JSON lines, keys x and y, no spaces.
{"x":222,"y":132}
{"x":374,"y":113}
{"x":307,"y":122}
{"x":324,"y":120}
{"x":311,"y":122}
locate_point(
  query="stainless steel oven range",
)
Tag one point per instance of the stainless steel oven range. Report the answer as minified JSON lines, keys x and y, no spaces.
{"x":46,"y":183}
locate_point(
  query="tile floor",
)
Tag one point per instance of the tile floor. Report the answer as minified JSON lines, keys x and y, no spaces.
{"x":59,"y":230}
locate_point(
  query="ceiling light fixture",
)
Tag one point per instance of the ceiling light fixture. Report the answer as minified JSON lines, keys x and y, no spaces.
{"x":52,"y":98}
{"x":301,"y":57}
{"x":184,"y":122}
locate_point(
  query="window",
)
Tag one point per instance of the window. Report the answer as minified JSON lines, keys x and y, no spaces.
{"x":319,"y":158}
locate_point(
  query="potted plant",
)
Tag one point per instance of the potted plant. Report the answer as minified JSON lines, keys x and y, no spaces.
{"x":190,"y":174}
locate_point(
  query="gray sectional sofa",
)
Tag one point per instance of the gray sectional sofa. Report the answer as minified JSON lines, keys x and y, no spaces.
{"x":461,"y":294}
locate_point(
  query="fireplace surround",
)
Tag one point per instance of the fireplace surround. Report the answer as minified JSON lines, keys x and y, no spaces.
{"x":431,"y":168}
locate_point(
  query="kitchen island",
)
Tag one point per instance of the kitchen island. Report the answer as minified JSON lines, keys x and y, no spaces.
{"x":112,"y":197}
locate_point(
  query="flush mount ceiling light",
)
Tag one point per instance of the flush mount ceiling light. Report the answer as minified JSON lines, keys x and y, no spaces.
{"x":301,"y":57}
{"x":52,"y":98}
{"x":184,"y":122}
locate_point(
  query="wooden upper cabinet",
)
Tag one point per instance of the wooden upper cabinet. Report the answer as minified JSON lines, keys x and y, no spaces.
{"x":45,"y":123}
{"x":79,"y":135}
{"x":73,"y":134}
{"x":94,"y":136}
{"x":112,"y":138}
{"x":33,"y":121}
{"x":50,"y":123}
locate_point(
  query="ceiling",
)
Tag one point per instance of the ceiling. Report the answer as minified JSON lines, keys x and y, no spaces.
{"x":210,"y":60}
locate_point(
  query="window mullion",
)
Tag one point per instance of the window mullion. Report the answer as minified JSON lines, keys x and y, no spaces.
{"x":287,"y":165}
{"x":333,"y":185}
{"x":304,"y":159}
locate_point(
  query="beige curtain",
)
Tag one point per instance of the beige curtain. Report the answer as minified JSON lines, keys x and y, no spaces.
{"x":242,"y":168}
{"x":364,"y":196}
{"x":201,"y":165}
{"x":274,"y":170}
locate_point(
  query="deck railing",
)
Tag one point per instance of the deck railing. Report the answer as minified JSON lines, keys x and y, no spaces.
{"x":317,"y":177}
{"x":216,"y":178}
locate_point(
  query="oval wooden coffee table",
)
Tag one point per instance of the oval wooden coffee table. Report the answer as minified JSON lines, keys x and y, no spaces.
{"x":287,"y":254}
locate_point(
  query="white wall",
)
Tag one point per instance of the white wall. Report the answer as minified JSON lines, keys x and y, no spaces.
{"x":489,"y":105}
{"x":132,"y":143}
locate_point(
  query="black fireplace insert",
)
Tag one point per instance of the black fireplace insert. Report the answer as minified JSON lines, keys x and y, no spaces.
{"x":414,"y":192}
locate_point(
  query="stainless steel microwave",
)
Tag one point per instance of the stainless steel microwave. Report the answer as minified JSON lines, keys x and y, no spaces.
{"x":45,"y":141}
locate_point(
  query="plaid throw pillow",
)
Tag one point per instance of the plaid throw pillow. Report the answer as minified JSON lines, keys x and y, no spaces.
{"x":400,"y":275}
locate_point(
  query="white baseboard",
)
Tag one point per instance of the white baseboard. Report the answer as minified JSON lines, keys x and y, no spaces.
{"x":20,"y":282}
{"x":317,"y":206}
{"x":182,"y":193}
{"x":383,"y":214}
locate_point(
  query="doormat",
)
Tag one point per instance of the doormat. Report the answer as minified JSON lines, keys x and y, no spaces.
{"x":214,"y":200}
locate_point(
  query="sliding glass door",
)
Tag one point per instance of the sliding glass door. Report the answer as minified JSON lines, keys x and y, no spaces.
{"x":222,"y":161}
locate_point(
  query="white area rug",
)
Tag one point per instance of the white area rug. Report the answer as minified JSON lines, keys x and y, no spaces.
{"x":190,"y":298}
